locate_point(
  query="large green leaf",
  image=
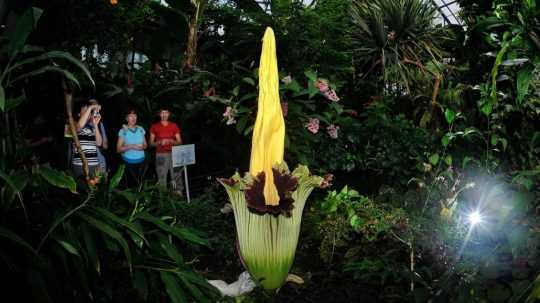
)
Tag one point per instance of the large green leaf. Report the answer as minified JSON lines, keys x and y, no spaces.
{"x":111,"y":232}
{"x":195,"y":292}
{"x":181,"y":233}
{"x":171,"y":250}
{"x":12,"y":103}
{"x":2,"y":98}
{"x":450,"y":115}
{"x":129,"y":225}
{"x":50,"y":68}
{"x":51,"y":56}
{"x":91,"y":250}
{"x":25,"y":25}
{"x":16,"y":181}
{"x":523,"y":80}
{"x":173,"y":289}
{"x":69,"y":247}
{"x":58,"y":178}
{"x":115,"y":180}
{"x":13,"y":237}
{"x":199,"y":280}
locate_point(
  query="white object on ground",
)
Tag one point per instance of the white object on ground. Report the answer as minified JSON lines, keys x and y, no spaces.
{"x":243,"y":285}
{"x":227,"y":208}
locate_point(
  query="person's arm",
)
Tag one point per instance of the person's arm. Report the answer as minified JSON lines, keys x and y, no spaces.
{"x":153,"y":139}
{"x":84,"y":118}
{"x":144,"y":144}
{"x":177,"y":139}
{"x":120,"y":148}
{"x":99,"y":139}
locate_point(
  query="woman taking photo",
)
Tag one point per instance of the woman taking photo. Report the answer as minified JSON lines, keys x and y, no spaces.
{"x":131,"y":144}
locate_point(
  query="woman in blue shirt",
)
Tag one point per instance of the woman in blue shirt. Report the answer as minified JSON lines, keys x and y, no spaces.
{"x":131,"y":144}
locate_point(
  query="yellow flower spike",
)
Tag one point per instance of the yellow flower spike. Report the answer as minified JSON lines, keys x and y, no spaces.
{"x":268,"y":142}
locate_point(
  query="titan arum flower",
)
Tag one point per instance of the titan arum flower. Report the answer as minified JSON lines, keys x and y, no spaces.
{"x":269,"y":200}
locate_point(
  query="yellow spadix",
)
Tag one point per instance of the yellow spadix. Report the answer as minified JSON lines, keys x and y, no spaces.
{"x":268,"y":141}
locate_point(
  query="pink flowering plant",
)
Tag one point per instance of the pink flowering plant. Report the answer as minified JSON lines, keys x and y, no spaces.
{"x":313,"y":111}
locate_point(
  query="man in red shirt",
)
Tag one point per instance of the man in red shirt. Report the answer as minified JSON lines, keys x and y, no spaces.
{"x":163,"y":135}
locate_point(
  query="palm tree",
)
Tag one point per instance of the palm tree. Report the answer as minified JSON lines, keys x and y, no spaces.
{"x":395,"y":37}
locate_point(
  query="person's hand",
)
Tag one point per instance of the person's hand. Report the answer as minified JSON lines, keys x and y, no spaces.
{"x":96,"y":119}
{"x":137,"y":146}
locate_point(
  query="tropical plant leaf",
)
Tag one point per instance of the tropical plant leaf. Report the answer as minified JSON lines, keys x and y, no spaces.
{"x":49,"y":68}
{"x":129,"y":225}
{"x":434,"y":159}
{"x":16,"y":180}
{"x":171,"y":250}
{"x":183,"y":234}
{"x":12,"y":103}
{"x":523,"y":80}
{"x":173,"y":289}
{"x":111,"y":232}
{"x":249,"y":80}
{"x":115,"y":180}
{"x":197,"y":279}
{"x":55,"y":55}
{"x":91,"y":250}
{"x":450,"y":115}
{"x":195,"y":292}
{"x":69,"y":247}
{"x":25,"y":25}
{"x":129,"y":196}
{"x":58,"y":178}
{"x":2,"y":98}
{"x":13,"y":237}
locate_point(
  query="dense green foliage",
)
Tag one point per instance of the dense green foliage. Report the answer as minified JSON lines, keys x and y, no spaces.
{"x":420,"y":125}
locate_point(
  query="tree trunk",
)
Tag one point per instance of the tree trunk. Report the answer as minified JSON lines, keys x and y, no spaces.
{"x":194,"y":21}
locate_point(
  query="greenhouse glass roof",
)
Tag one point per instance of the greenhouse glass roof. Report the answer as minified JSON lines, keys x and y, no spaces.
{"x":448,"y":11}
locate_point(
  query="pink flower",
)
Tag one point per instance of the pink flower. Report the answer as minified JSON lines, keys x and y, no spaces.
{"x":322,"y":84}
{"x":230,"y":114}
{"x":313,"y":125}
{"x":331,"y":95}
{"x":287,"y":79}
{"x":332,"y":131}
{"x":285,"y":108}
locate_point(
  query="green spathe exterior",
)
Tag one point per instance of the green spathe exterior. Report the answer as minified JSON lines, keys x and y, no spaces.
{"x":267,"y":242}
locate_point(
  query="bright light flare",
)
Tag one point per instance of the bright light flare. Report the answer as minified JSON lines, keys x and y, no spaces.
{"x":475,"y":217}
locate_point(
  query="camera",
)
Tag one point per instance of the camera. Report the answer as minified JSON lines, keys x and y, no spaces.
{"x":95,"y":113}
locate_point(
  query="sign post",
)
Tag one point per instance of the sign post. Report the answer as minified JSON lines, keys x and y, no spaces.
{"x":184,"y":155}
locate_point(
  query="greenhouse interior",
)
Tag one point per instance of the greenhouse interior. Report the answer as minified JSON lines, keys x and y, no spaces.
{"x":270,"y":151}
